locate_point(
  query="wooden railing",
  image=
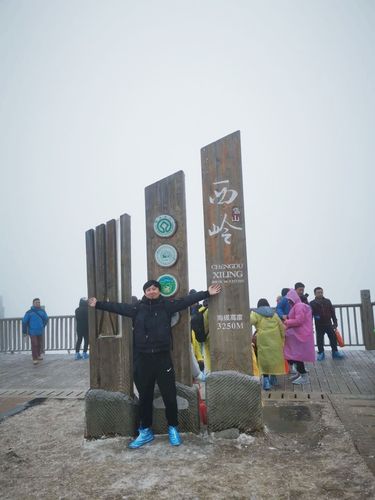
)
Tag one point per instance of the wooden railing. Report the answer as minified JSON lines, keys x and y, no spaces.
{"x":349,"y":324}
{"x":60,"y":334}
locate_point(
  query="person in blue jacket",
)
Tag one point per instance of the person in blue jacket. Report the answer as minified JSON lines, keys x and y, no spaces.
{"x":33,"y":324}
{"x":283,"y":306}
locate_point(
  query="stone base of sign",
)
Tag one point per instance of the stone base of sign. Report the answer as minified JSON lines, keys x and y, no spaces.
{"x":188,"y":410}
{"x":233,"y":401}
{"x":110,"y":413}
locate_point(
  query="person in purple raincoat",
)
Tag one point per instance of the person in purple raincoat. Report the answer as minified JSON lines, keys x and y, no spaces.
{"x":299,"y":337}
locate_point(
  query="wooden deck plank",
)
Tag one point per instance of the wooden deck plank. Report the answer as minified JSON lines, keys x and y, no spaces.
{"x":367,"y":369}
{"x":343,"y":373}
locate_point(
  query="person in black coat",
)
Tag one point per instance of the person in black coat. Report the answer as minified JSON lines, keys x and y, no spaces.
{"x":152,"y":335}
{"x":82,"y":326}
{"x":325,"y":323}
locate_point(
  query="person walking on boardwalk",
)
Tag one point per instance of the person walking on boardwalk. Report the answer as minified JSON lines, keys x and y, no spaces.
{"x":299,"y":336}
{"x":152,"y":338}
{"x":82,"y":327}
{"x":270,"y":334}
{"x":33,"y":324}
{"x":325,"y":322}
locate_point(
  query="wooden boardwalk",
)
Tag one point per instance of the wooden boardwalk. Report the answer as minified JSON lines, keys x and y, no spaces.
{"x":355,"y":374}
{"x":348,"y":384}
{"x":59,"y":376}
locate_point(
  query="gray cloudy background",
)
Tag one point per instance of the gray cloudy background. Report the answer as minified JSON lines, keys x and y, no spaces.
{"x":99,"y":99}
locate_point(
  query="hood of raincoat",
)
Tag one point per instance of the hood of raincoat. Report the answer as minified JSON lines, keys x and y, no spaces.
{"x":293,"y":296}
{"x":266,"y":311}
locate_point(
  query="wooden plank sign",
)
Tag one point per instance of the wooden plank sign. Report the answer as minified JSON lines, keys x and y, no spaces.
{"x":111,"y":354}
{"x":225,"y":242}
{"x":167,"y":259}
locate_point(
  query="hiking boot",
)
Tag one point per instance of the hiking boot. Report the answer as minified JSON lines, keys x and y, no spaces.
{"x":77,"y":356}
{"x":302,"y":379}
{"x":337,"y":355}
{"x":266,"y":384}
{"x":145,"y":436}
{"x":174,"y":436}
{"x":85,"y":355}
{"x":320,"y":356}
{"x":273,"y":380}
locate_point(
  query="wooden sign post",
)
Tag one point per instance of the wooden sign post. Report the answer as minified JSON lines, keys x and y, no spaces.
{"x":111,"y":353}
{"x":167,"y":259}
{"x":225,"y":241}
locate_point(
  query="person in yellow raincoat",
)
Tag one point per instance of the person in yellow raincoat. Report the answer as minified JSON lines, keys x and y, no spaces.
{"x":202,"y":349}
{"x":270,"y":335}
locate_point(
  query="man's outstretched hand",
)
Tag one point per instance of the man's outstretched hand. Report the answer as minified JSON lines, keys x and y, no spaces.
{"x":214,"y":289}
{"x":92,"y":301}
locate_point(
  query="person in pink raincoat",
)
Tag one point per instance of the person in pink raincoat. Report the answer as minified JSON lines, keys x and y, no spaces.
{"x":299,"y":336}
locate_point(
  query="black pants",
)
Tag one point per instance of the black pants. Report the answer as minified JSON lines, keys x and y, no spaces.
{"x":136,"y":369}
{"x":85,"y":337}
{"x":300,"y":365}
{"x":151,"y":368}
{"x":329,"y":330}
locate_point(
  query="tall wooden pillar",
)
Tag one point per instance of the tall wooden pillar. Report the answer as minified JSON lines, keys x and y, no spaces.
{"x":367,"y":319}
{"x":167,"y":259}
{"x":225,"y":241}
{"x":109,"y":278}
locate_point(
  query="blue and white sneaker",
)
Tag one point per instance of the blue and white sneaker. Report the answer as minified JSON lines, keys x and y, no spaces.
{"x":337,"y":355}
{"x":320,"y":356}
{"x":85,"y":355}
{"x":266,"y":383}
{"x":145,"y":436}
{"x":77,"y":356}
{"x":293,"y":369}
{"x":174,"y":436}
{"x":301,"y":380}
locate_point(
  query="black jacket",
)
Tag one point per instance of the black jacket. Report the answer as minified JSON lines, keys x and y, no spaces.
{"x":82,"y":318}
{"x":152,"y":319}
{"x":323,"y":312}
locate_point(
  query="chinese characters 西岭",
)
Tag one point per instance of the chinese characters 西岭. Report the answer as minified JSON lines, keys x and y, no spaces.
{"x":221,"y":197}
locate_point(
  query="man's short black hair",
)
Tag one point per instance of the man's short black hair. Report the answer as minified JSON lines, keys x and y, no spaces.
{"x":36,"y":299}
{"x":284,"y":291}
{"x":299,"y":285}
{"x":150,"y":283}
{"x":317,"y":288}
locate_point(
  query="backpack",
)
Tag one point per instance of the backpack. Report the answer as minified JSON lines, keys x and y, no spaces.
{"x":197,"y":324}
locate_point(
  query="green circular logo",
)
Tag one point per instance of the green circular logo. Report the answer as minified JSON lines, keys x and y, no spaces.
{"x":164,"y":226}
{"x":168,"y":285}
{"x":166,"y":255}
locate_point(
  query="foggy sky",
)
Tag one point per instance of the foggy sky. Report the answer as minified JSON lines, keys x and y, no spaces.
{"x":99,"y":99}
